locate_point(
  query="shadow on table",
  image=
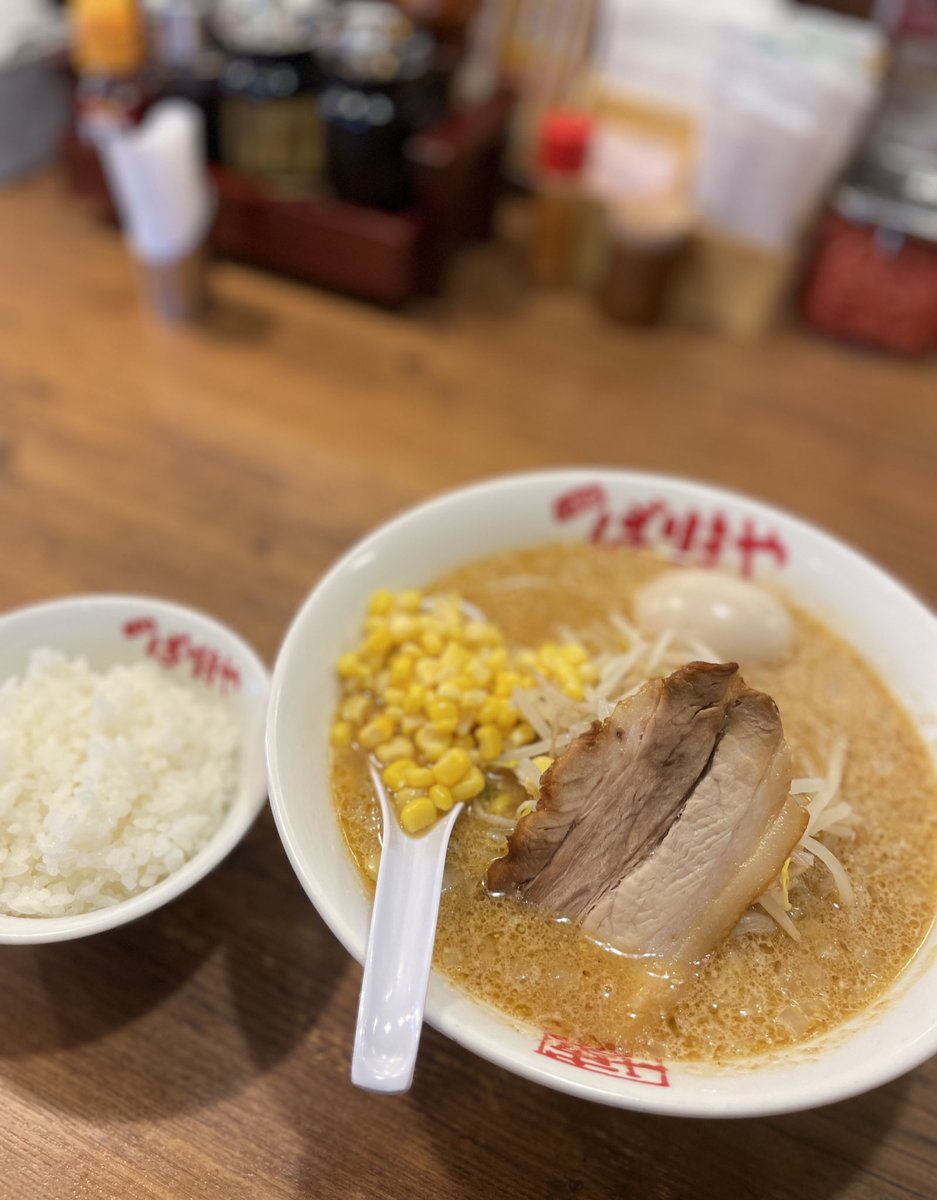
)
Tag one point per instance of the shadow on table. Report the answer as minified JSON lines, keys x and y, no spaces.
{"x":475,"y":1131}
{"x":152,"y":1019}
{"x":227,"y":320}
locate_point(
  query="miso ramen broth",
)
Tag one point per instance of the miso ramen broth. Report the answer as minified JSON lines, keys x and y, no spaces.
{"x":757,"y":991}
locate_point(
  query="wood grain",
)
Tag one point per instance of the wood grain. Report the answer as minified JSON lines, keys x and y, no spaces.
{"x":204,"y":1051}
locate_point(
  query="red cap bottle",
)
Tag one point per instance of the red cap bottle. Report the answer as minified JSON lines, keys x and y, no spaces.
{"x":563,"y":142}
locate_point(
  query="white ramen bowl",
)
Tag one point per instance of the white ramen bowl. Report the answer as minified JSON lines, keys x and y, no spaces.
{"x":195,"y":650}
{"x":896,"y":633}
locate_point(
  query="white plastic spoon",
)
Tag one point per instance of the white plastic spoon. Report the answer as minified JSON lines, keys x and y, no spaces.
{"x":400,"y":950}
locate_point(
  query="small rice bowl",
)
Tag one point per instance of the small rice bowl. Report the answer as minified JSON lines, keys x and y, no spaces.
{"x":109,"y":782}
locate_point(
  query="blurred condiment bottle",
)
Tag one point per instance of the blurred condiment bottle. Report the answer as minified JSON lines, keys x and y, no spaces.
{"x":382,"y":87}
{"x":559,"y":210}
{"x":874,"y":278}
{"x":157,"y":175}
{"x":446,"y":18}
{"x":647,"y":240}
{"x":633,"y":179}
{"x":109,"y":54}
{"x":269,"y":120}
{"x":185,"y":59}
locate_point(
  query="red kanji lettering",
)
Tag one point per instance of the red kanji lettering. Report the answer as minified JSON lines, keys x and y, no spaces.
{"x":603,"y":1062}
{"x":681,"y":531}
{"x":205,"y":663}
{"x":580,"y":499}
{"x":749,"y":544}
{"x":230,"y":675}
{"x":690,"y":534}
{"x":714,"y":544}
{"x":168,"y":650}
{"x":636,"y":520}
{"x":137,"y":625}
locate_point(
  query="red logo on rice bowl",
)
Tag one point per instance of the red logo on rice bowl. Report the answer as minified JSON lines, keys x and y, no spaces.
{"x":181,"y":650}
{"x":603,"y":1062}
{"x":706,"y":538}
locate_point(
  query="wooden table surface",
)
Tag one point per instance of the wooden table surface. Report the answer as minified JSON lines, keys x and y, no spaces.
{"x":204,"y":1050}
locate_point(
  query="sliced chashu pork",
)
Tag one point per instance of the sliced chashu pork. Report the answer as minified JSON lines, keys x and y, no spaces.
{"x":610,"y":799}
{"x":725,"y":849}
{"x":653,"y":836}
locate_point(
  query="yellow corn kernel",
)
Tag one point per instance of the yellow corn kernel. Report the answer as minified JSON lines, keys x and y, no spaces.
{"x":449,"y":690}
{"x":545,"y":656}
{"x":444,"y":715}
{"x":427,"y":671}
{"x":452,"y":766}
{"x":450,"y":626}
{"x":348,"y":665}
{"x":420,"y":777}
{"x":507,"y":718}
{"x":488,"y":713}
{"x":497,"y":659}
{"x":395,"y":776}
{"x":409,"y":600}
{"x":395,"y":748}
{"x":439,"y":708}
{"x":574,"y":652}
{"x":543,"y":762}
{"x":401,"y":626}
{"x":490,"y":742}
{"x":395,"y":695}
{"x":401,"y":667}
{"x":432,"y":642}
{"x":455,"y":657}
{"x":472,"y":785}
{"x":478,"y":673}
{"x":474,"y":698}
{"x":441,"y":797}
{"x":465,"y":741}
{"x":505,"y":683}
{"x":413,"y":702}
{"x":377,"y":644}
{"x":380,"y":729}
{"x":355,"y":709}
{"x":571,"y":684}
{"x":502,"y":804}
{"x":341,"y":733}
{"x":418,"y":814}
{"x":520,"y":735}
{"x":589,"y":672}
{"x":434,"y":745}
{"x":381,"y":602}
{"x":405,"y":794}
{"x":505,"y":715}
{"x":409,"y":724}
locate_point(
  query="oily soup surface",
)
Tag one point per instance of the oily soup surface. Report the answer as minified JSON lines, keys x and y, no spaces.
{"x":755,"y":992}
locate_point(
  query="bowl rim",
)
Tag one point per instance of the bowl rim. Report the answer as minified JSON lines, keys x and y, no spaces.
{"x":438,"y":1012}
{"x":16,"y":930}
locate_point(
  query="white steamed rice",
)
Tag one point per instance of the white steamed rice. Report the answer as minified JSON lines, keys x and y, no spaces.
{"x":108,"y":782}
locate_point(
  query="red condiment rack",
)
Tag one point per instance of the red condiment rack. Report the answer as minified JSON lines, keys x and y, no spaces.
{"x":384,"y":257}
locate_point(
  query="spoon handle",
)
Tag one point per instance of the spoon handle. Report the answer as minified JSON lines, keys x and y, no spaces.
{"x":399,"y":955}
